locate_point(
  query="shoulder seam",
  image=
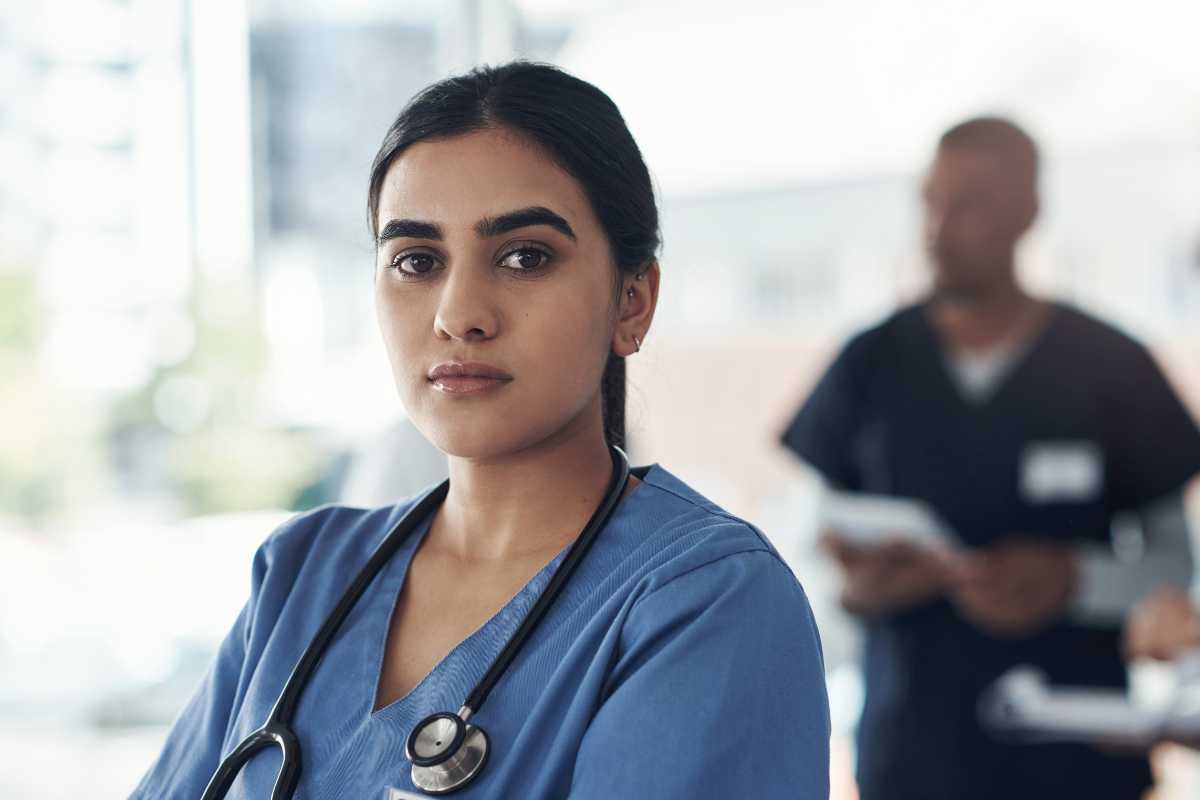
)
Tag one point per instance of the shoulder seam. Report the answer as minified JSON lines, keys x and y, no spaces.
{"x":745,"y":551}
{"x":713,"y":510}
{"x":690,"y":501}
{"x":710,"y":508}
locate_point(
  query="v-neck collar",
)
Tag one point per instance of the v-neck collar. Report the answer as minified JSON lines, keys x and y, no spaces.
{"x":525,"y":596}
{"x":1026,"y":352}
{"x":388,"y":596}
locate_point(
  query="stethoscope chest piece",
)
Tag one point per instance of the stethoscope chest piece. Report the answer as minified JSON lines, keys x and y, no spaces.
{"x":446,"y":752}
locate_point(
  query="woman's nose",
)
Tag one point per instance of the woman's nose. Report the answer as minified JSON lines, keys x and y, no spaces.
{"x":466,"y":306}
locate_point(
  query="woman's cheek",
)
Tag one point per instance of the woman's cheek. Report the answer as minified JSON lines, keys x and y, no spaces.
{"x":582,"y":346}
{"x":400,"y":339}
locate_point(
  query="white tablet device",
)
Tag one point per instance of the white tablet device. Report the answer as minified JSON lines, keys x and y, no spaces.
{"x":872,"y":519}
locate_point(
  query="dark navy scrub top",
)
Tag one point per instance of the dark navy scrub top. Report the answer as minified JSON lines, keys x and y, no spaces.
{"x":681,"y":661}
{"x":1083,"y":426}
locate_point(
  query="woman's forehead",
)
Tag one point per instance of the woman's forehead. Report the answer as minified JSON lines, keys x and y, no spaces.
{"x":458,"y":181}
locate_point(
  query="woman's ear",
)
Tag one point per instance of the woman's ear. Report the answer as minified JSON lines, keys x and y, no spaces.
{"x":635,"y":312}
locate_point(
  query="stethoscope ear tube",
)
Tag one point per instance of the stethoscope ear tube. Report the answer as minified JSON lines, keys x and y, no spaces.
{"x":446,"y":751}
{"x":285,"y":706}
{"x":277,"y":731}
{"x":616,"y":487}
{"x":440,"y":765}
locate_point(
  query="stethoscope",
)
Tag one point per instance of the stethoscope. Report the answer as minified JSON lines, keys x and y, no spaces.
{"x":447,"y":752}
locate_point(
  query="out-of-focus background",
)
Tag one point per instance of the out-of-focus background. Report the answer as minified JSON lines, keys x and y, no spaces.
{"x":188,"y":351}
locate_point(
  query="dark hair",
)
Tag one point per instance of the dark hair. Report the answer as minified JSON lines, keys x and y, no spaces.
{"x":579,"y":127}
{"x":1001,"y":136}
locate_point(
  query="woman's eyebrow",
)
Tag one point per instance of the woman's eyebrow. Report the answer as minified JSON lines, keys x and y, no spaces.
{"x":523,"y":218}
{"x":410,"y":228}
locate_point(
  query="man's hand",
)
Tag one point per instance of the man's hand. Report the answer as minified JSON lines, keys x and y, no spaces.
{"x":1162,"y":626}
{"x":1015,"y":588}
{"x":886,"y":578}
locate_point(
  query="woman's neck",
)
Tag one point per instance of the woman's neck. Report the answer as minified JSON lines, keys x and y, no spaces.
{"x":527,"y":504}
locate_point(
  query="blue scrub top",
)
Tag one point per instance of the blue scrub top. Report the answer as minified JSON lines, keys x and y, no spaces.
{"x":681,"y":660}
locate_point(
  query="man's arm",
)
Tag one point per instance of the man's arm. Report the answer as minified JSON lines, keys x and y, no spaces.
{"x":1020,"y":586}
{"x":1109,"y":588}
{"x":883,"y":580}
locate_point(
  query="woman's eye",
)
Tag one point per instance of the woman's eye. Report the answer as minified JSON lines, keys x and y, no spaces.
{"x":415,"y":263}
{"x":525,"y":259}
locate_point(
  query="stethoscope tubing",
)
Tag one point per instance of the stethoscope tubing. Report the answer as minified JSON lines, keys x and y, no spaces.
{"x":273,"y":734}
{"x":277,"y":730}
{"x":579,"y":549}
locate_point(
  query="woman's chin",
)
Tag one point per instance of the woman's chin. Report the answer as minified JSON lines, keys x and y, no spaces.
{"x":479,"y":433}
{"x":473,"y":442}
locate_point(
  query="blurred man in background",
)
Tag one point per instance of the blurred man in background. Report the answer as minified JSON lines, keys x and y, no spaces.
{"x":1026,"y":425}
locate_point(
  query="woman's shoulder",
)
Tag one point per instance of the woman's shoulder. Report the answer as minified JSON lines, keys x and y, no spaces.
{"x":683,"y":532}
{"x":710,"y":585}
{"x":329,"y":535}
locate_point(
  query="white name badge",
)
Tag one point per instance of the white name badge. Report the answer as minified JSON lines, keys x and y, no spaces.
{"x":397,"y":794}
{"x":1061,"y":472}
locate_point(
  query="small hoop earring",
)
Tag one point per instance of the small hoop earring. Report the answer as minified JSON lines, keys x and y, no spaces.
{"x":637,"y":345}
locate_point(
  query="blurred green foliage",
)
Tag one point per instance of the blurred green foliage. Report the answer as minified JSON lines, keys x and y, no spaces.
{"x":34,"y":450}
{"x":17,"y":316}
{"x":59,"y":448}
{"x":229,"y":461}
{"x":241,"y":468}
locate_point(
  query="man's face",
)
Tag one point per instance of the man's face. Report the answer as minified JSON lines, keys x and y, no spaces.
{"x":977,"y":206}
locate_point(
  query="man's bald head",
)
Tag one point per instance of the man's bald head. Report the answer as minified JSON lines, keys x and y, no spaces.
{"x":980,"y":199}
{"x":1001,"y":140}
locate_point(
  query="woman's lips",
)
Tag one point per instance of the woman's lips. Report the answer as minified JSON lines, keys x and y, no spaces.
{"x":459,"y":378}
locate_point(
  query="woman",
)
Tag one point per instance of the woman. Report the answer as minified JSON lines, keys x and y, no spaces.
{"x":516,"y":236}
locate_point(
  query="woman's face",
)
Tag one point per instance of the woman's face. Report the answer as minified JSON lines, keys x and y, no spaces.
{"x":495,"y":292}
